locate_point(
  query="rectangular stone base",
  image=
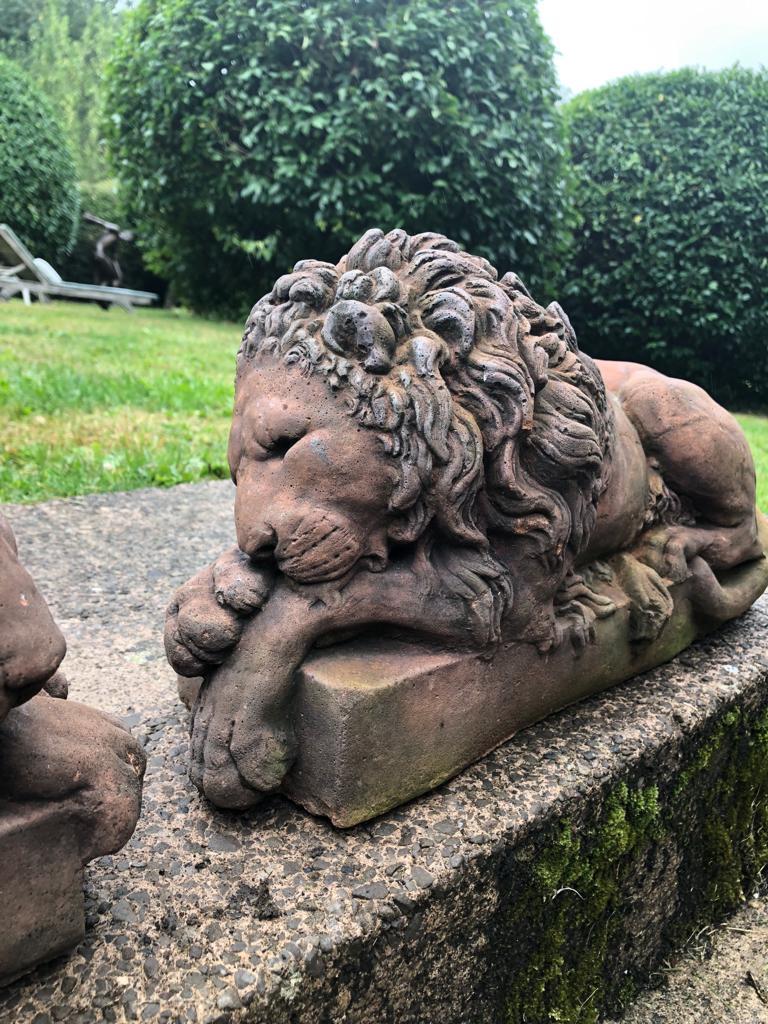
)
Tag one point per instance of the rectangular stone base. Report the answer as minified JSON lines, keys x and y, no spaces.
{"x":380,"y":723}
{"x":41,"y":887}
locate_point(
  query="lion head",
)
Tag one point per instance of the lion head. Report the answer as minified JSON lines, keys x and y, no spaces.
{"x":408,"y":394}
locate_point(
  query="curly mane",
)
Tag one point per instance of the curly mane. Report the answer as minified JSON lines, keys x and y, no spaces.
{"x":496,"y":419}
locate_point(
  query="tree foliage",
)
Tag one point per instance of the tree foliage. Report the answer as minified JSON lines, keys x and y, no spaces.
{"x":68,"y":45}
{"x":17,"y":18}
{"x":38,"y":189}
{"x":670,"y":264}
{"x":277,"y":129}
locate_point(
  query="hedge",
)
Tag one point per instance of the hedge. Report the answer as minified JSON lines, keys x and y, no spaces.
{"x":38,"y":188}
{"x":670,"y":264}
{"x":279,"y":130}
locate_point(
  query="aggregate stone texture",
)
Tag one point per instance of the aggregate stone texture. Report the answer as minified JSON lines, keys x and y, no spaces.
{"x":273,"y":915}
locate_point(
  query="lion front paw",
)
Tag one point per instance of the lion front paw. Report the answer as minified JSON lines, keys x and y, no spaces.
{"x":206,"y":616}
{"x":665,"y":550}
{"x":234,"y":761}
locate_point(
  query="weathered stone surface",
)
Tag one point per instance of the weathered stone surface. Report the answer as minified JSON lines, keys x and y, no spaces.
{"x":649,"y":800}
{"x":380,"y":723}
{"x":70,"y":780}
{"x":41,"y":888}
{"x":422,"y":450}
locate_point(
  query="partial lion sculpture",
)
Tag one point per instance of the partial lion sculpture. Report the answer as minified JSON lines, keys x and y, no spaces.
{"x":420,"y":449}
{"x":70,"y":780}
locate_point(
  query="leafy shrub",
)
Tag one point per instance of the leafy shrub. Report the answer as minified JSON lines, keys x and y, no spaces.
{"x":279,"y":130}
{"x":65,"y":56}
{"x":670,"y":265}
{"x":101,"y":198}
{"x":38,"y":190}
{"x":17,"y":19}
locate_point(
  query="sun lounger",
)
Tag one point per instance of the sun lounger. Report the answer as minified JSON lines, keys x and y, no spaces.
{"x":23,"y":274}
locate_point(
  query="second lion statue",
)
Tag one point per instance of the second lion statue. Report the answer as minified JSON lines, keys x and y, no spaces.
{"x":421,"y":449}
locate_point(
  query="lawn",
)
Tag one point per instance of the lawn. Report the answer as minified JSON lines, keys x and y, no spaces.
{"x":756,"y":429}
{"x":105,"y":401}
{"x":95,"y":400}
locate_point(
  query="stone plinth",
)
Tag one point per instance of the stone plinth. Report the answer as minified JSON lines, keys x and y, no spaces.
{"x":70,"y":791}
{"x":41,"y":887}
{"x":378,"y":724}
{"x":550,"y":877}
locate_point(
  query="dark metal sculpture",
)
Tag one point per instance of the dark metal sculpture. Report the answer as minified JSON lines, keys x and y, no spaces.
{"x":108,"y":269}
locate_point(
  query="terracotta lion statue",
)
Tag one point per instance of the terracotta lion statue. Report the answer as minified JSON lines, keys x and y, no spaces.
{"x":420,"y":448}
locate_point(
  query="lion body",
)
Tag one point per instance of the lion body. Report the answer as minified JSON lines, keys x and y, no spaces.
{"x":419,"y":446}
{"x":503,"y":432}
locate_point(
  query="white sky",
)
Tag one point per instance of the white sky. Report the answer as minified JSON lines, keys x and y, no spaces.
{"x":599,"y":40}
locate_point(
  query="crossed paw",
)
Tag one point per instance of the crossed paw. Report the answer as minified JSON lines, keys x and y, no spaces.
{"x":207,"y":614}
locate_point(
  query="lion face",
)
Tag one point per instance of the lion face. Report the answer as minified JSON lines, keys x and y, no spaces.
{"x":314,"y":487}
{"x":408,"y":390}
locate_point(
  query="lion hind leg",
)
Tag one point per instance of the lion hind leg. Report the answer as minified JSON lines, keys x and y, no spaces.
{"x":698,"y":557}
{"x":577,"y":606}
{"x":671,"y":549}
{"x":721,"y":601}
{"x":650,"y":601}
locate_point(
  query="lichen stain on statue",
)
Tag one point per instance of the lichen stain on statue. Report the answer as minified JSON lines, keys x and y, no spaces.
{"x":70,"y":779}
{"x":421,"y":450}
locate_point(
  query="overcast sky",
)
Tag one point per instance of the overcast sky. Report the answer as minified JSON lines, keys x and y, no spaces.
{"x":599,"y":40}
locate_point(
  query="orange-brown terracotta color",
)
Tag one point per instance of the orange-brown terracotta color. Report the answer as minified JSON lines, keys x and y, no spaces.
{"x":421,"y":451}
{"x":70,"y":780}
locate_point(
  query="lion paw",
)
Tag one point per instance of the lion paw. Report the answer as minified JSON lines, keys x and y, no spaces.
{"x":577,"y":607}
{"x":234,"y":762}
{"x":665,"y":551}
{"x":651,"y":602}
{"x":238,"y":583}
{"x":263,"y":756}
{"x":206,"y":616}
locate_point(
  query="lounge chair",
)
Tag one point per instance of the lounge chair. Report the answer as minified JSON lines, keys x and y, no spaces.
{"x":22,"y":273}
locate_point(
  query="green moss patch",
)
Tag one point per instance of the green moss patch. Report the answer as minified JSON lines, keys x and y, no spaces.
{"x":591,"y":907}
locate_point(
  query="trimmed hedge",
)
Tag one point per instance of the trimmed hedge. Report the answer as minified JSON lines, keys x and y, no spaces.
{"x":38,"y":189}
{"x":279,"y":130}
{"x":670,"y":265}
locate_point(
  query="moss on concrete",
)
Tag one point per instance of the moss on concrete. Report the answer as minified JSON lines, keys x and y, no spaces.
{"x":703,"y":833}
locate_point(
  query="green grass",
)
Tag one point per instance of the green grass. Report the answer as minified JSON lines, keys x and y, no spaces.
{"x":105,"y":401}
{"x":756,"y":429}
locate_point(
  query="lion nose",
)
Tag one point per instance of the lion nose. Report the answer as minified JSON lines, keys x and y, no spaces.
{"x":260,"y":543}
